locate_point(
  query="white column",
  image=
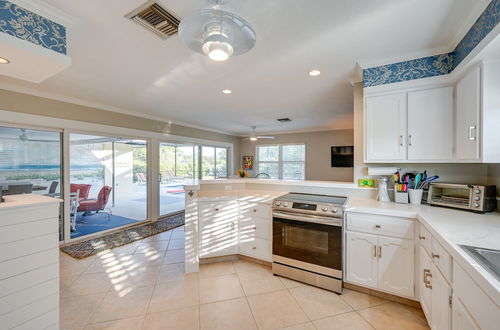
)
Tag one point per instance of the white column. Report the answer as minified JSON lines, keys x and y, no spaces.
{"x":192,"y":257}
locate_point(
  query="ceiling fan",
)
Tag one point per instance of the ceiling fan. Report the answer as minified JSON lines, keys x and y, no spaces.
{"x":254,"y":137}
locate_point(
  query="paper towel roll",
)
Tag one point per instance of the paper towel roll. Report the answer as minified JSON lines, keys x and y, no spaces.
{"x":378,"y":171}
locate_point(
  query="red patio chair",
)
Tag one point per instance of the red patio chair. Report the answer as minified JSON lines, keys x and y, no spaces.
{"x":84,"y":190}
{"x":96,"y":205}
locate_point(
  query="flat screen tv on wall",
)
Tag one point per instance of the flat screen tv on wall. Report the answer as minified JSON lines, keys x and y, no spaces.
{"x":343,"y":156}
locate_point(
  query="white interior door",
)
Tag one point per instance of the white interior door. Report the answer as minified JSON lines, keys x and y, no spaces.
{"x":385,"y":127}
{"x":430,"y":124}
{"x":396,"y":266}
{"x":468,"y":116}
{"x":361,"y":259}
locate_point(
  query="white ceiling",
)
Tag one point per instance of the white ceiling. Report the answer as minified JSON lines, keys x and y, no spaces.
{"x":119,"y":65}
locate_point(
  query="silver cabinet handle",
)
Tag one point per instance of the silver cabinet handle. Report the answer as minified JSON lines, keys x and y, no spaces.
{"x":421,"y":237}
{"x":255,"y":210}
{"x":254,"y":248}
{"x":254,"y":227}
{"x":435,"y":255}
{"x":217,"y":210}
{"x":374,"y":251}
{"x":409,"y":140}
{"x":379,"y":252}
{"x":377,"y":226}
{"x":472,"y":136}
{"x":401,"y":140}
{"x":427,"y":275}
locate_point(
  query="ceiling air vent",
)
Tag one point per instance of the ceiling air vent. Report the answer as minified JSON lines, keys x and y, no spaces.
{"x":155,"y":18}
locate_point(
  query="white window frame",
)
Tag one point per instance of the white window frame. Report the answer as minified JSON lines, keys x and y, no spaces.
{"x":280,"y":160}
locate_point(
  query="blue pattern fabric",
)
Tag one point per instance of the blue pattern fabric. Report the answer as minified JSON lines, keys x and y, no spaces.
{"x":23,"y":24}
{"x":437,"y":65}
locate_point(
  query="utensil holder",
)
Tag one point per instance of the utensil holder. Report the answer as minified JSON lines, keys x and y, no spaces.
{"x":400,"y":197}
{"x":415,"y":196}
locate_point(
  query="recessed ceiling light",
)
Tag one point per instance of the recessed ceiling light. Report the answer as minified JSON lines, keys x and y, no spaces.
{"x":4,"y":61}
{"x":314,"y":73}
{"x":227,"y":91}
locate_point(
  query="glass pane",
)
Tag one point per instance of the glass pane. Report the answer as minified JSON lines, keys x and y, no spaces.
{"x":268,"y":153}
{"x":30,"y":162}
{"x":269,"y":168}
{"x":294,"y":152}
{"x":184,"y":163}
{"x":176,"y":166}
{"x":110,"y":175}
{"x":208,"y":163}
{"x":293,"y":171}
{"x":221,"y":162}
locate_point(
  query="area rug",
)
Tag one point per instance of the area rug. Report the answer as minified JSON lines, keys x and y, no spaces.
{"x":84,"y":249}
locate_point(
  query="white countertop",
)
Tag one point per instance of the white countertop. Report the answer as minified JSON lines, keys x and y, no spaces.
{"x":255,"y":196}
{"x":451,"y":228}
{"x":24,"y":200}
{"x":306,"y":183}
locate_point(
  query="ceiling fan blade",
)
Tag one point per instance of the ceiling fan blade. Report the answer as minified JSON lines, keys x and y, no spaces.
{"x":265,"y":137}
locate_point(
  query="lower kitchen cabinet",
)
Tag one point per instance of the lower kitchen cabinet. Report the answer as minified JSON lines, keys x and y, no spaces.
{"x":462,"y":320}
{"x":441,"y":301}
{"x":380,"y":262}
{"x":218,"y":228}
{"x":361,"y":259}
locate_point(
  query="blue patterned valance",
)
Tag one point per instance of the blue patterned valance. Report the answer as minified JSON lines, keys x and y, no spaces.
{"x":23,"y":24}
{"x":439,"y":64}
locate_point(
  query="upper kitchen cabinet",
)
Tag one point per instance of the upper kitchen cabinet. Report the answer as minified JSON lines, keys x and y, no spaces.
{"x":430,"y":125}
{"x":490,"y":114}
{"x":385,"y":127}
{"x":468,"y":121}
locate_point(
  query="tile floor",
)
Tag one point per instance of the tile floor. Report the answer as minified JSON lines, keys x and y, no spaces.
{"x":143,"y":286}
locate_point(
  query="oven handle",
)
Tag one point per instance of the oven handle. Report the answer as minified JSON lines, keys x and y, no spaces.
{"x":310,"y":218}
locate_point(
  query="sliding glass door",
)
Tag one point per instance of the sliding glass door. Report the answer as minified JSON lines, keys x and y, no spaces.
{"x":178,"y":165}
{"x":213,"y":162}
{"x":109,"y":177}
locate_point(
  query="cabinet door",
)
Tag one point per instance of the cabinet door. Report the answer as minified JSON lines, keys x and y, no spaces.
{"x":425,"y":283}
{"x":396,"y":270}
{"x":430,"y":124}
{"x":361,"y":259}
{"x":462,"y":320}
{"x":218,"y":228}
{"x":468,"y":116}
{"x":441,"y":294}
{"x":385,"y":127}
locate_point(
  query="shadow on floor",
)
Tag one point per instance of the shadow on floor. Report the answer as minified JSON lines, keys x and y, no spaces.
{"x":98,"y":222}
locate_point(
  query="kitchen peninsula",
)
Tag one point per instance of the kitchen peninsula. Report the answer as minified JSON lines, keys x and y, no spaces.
{"x":396,"y":249}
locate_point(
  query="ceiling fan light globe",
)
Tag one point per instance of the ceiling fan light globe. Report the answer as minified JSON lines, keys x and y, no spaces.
{"x":253,"y":139}
{"x":218,"y":50}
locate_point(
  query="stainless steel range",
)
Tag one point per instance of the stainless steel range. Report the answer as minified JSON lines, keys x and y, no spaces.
{"x":307,"y":239}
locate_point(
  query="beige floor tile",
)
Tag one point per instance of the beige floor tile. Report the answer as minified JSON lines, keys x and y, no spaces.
{"x":303,"y":326}
{"x":124,"y":249}
{"x":177,"y":234}
{"x":347,"y":321}
{"x":247,"y":266}
{"x":176,"y":244}
{"x":172,"y":272}
{"x":151,"y":247}
{"x":75,"y":311}
{"x":165,"y":236}
{"x":394,"y":316}
{"x":217,"y":269}
{"x":86,"y":284}
{"x":66,"y":281}
{"x":112,"y":263}
{"x":259,"y":282}
{"x":70,"y":267}
{"x":318,"y":303}
{"x":358,"y":300}
{"x":220,"y":288}
{"x":290,"y":284}
{"x":227,"y":315}
{"x":178,"y":319}
{"x":276,"y":310}
{"x":174,"y":257}
{"x":132,"y":279}
{"x":134,"y":323}
{"x":175,"y":294}
{"x":122,"y":304}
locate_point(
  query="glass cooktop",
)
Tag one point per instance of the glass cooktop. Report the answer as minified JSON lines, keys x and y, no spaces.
{"x":313,"y":198}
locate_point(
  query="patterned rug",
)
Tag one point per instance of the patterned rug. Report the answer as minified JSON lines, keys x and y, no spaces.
{"x":95,"y":245}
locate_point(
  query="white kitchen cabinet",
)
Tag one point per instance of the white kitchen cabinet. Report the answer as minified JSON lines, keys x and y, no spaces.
{"x":468,"y":116}
{"x":430,"y":124}
{"x":385,"y":127}
{"x":218,"y":223}
{"x":254,"y":228}
{"x":425,"y":285}
{"x":361,"y":259}
{"x":396,"y":266}
{"x":462,"y":320}
{"x":441,"y":301}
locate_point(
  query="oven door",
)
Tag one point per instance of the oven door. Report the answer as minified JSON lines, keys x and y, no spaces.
{"x":308,"y":239}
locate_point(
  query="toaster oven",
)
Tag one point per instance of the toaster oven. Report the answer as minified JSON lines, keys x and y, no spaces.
{"x":475,"y":198}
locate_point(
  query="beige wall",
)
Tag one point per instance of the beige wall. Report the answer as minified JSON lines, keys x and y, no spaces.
{"x":318,"y":154}
{"x":24,"y":103}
